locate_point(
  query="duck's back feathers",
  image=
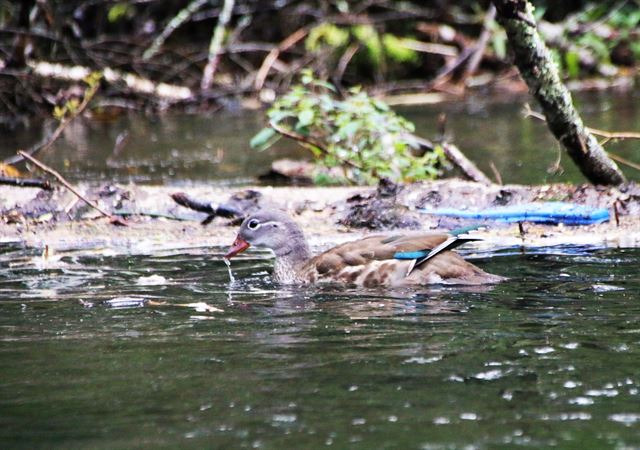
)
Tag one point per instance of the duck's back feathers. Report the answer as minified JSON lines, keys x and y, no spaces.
{"x":383,"y":261}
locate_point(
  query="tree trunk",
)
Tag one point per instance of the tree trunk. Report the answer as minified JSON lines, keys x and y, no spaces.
{"x":533,"y":59}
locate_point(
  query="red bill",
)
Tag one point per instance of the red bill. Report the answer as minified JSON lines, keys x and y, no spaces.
{"x":238,"y":246}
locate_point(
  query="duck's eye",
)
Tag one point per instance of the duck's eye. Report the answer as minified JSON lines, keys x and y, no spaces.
{"x":253,"y":224}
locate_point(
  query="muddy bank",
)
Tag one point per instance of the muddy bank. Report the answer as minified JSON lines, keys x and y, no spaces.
{"x":329,"y":215}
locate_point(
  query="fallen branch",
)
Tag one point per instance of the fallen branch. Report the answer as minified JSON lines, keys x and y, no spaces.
{"x":441,"y":77}
{"x":447,"y":71}
{"x":453,"y":154}
{"x":139,"y":85}
{"x":216,"y":44}
{"x":271,"y":58}
{"x":114,"y":220}
{"x":26,"y":182}
{"x":211,"y":208}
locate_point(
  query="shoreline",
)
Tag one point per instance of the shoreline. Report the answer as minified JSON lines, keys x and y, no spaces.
{"x":321,"y":211}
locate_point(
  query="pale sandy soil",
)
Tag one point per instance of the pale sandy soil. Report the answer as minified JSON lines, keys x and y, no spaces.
{"x":317,"y":209}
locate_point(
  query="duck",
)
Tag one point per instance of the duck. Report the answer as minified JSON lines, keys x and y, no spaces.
{"x":393,"y":260}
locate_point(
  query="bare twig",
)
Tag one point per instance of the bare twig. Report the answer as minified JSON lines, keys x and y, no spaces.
{"x":556,"y":167}
{"x":447,"y":71}
{"x":528,"y":112}
{"x":65,"y":183}
{"x":429,"y":47}
{"x":481,"y":44}
{"x":346,"y":57}
{"x":216,"y":44}
{"x":608,"y":135}
{"x":624,"y":161}
{"x":496,"y":173}
{"x":174,"y":23}
{"x":273,"y":55}
{"x":308,"y":141}
{"x":614,"y":134}
{"x":211,"y":208}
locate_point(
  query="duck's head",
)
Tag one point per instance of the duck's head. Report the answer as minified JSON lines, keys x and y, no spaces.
{"x":271,"y":229}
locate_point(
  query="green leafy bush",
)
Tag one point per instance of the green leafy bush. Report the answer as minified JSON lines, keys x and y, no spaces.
{"x":359,"y":134}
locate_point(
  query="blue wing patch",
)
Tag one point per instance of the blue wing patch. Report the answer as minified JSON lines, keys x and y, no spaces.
{"x":411,"y":255}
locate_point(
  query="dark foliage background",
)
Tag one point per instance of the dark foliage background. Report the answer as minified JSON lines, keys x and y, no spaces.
{"x":100,"y":34}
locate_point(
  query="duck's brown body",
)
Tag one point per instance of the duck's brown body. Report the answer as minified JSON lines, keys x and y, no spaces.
{"x":368,"y":262}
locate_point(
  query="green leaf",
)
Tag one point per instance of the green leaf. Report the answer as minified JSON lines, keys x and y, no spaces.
{"x":370,"y":38}
{"x":117,"y":12}
{"x":277,"y":116}
{"x":499,"y":43}
{"x":399,"y":48}
{"x":264,"y":139}
{"x":325,"y":84}
{"x":349,"y":129}
{"x":326,"y":34}
{"x":305,"y":118}
{"x":572,"y":61}
{"x":382,"y":106}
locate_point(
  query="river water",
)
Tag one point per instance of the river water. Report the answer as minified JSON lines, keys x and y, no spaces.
{"x":108,"y":350}
{"x":181,"y":149}
{"x":97,"y":353}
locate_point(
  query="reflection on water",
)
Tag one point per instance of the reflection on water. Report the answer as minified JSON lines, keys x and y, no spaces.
{"x":547,"y":358}
{"x":214,"y":148}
